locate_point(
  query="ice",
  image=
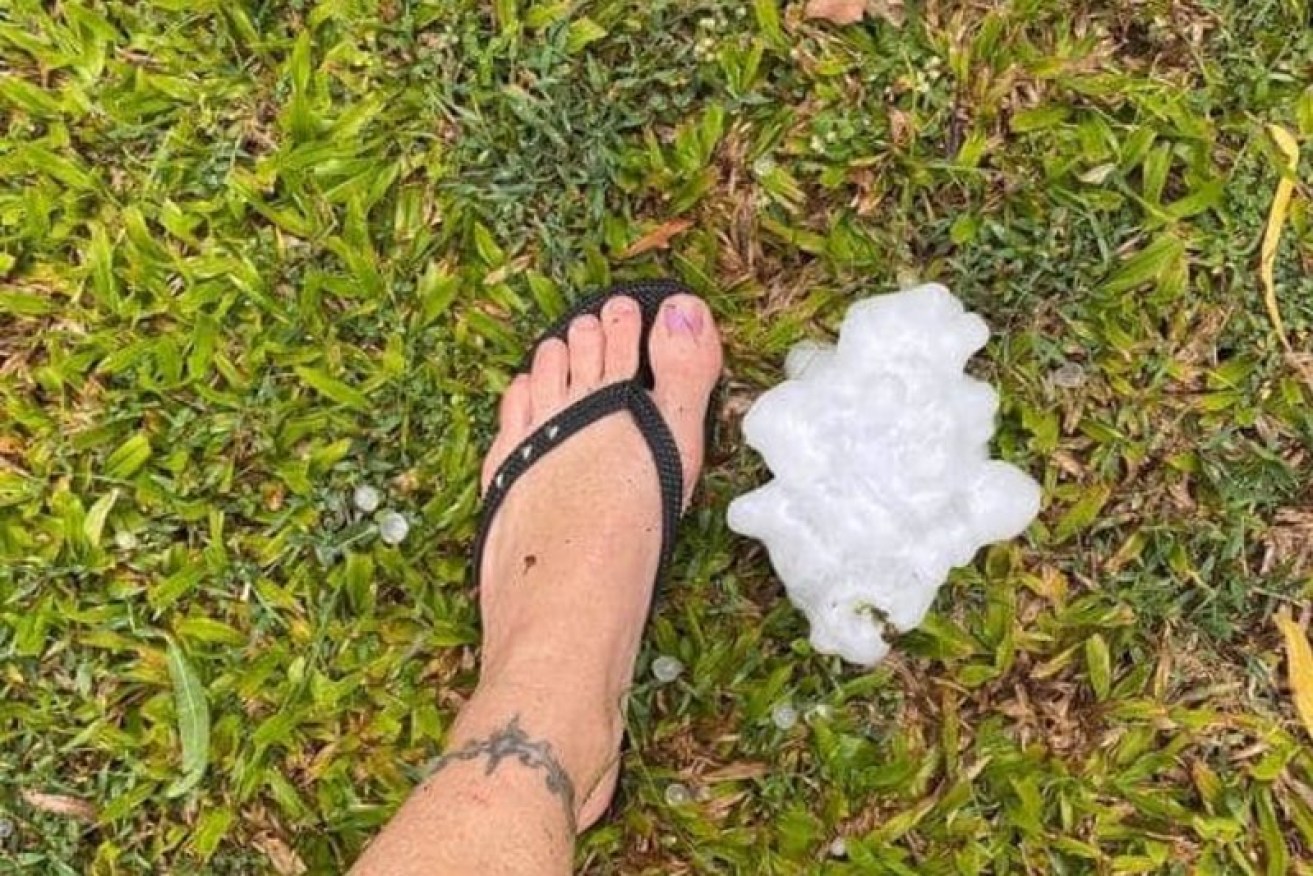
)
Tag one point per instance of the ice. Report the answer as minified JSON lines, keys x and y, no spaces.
{"x":666,"y":669}
{"x":393,"y":528}
{"x":879,"y":448}
{"x":366,"y":498}
{"x":784,"y":716}
{"x":678,"y":794}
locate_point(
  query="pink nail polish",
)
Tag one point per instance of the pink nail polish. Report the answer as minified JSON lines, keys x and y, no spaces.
{"x":679,"y":321}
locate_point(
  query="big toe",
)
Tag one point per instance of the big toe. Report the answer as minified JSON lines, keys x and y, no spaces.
{"x":686,"y":356}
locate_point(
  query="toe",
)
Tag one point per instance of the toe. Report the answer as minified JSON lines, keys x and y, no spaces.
{"x":622,"y":325}
{"x":548,"y":378}
{"x":516,"y":412}
{"x":516,"y":417}
{"x":586,"y":351}
{"x":686,"y":359}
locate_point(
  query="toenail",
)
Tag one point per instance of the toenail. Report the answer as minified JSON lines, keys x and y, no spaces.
{"x":621,"y":306}
{"x":681,"y":317}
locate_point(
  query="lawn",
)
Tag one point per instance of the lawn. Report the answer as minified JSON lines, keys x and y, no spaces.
{"x":255,"y":255}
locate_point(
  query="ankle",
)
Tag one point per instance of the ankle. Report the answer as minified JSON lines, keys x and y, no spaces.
{"x":583,"y":733}
{"x":589,"y":675}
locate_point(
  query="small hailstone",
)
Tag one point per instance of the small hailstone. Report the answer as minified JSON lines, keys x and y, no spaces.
{"x":393,"y":528}
{"x":678,"y":794}
{"x":784,"y":715}
{"x":366,"y":498}
{"x":1069,"y":375}
{"x":667,"y":669}
{"x":838,"y":848}
{"x":124,"y":540}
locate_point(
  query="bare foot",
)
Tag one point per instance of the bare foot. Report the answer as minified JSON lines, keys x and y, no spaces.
{"x":570,"y":561}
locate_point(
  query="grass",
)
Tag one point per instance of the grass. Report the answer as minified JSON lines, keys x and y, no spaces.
{"x":256,"y":254}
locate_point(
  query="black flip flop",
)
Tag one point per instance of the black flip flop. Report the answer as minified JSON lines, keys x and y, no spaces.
{"x":628,"y":395}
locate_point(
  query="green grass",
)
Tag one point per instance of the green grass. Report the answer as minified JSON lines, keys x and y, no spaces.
{"x":255,"y":254}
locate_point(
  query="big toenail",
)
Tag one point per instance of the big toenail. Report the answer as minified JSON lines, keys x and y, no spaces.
{"x":683,"y":318}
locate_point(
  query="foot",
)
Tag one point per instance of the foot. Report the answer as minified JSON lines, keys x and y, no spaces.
{"x":569,"y":564}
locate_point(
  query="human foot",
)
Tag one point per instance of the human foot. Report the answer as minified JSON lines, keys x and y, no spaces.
{"x":570,"y":561}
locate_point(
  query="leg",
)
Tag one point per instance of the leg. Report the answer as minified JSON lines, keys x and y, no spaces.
{"x":567,"y":581}
{"x":500,"y":801}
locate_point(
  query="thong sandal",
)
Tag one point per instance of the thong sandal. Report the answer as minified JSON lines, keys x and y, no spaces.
{"x":628,"y":395}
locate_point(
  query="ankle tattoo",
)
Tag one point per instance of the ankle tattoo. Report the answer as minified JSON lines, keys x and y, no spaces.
{"x":511,"y":742}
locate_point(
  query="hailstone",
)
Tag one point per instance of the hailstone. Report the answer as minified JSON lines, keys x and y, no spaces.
{"x":883,"y":481}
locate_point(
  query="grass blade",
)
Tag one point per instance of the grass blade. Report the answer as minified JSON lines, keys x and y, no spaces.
{"x":1299,"y":658}
{"x":333,"y":388}
{"x":193,"y":721}
{"x":1276,"y":220}
{"x":94,"y":525}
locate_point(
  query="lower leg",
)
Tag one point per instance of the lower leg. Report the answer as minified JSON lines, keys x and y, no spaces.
{"x":504,"y":798}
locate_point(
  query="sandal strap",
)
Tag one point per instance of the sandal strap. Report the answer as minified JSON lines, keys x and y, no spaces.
{"x":627,"y":395}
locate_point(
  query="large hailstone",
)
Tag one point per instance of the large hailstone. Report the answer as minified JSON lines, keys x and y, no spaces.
{"x":883,"y":481}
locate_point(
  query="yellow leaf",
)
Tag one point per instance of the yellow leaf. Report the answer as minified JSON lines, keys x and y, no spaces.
{"x":1276,"y":219}
{"x":1299,"y":661}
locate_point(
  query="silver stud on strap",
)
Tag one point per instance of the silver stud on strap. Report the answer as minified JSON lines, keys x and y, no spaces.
{"x":552,"y":432}
{"x":498,"y":480}
{"x":527,"y":451}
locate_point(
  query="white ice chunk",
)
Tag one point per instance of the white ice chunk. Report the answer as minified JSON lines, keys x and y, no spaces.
{"x":666,"y":669}
{"x":678,"y":794}
{"x":879,"y":447}
{"x":393,"y":527}
{"x":784,"y":716}
{"x":366,"y":498}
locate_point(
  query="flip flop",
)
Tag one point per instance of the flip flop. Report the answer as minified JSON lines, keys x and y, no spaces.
{"x":628,"y":395}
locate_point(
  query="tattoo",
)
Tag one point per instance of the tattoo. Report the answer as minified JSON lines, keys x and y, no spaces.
{"x":511,"y":742}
